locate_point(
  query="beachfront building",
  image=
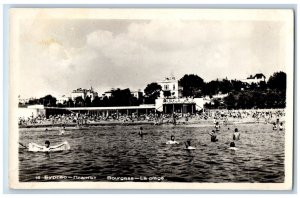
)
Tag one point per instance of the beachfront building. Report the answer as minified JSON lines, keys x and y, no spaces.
{"x":107,"y":94}
{"x":179,"y":105}
{"x":172,"y":101}
{"x":120,"y":110}
{"x":78,"y":93}
{"x":83,"y":93}
{"x":91,"y":93}
{"x":62,"y":99}
{"x":31,"y":111}
{"x":137,"y":94}
{"x":257,"y":78}
{"x":170,"y":88}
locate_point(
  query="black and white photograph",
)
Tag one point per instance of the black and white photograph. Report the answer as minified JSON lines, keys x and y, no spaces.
{"x":151,"y":98}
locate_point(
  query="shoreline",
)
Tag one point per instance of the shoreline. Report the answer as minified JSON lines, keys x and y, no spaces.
{"x":201,"y":123}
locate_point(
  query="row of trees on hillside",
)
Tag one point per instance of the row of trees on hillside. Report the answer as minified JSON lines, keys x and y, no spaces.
{"x":265,"y":94}
{"x":194,"y":86}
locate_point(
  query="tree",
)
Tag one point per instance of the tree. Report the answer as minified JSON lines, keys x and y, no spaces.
{"x":225,"y":86}
{"x":230,"y":101}
{"x":121,"y":98}
{"x":216,"y":103}
{"x":70,"y":103}
{"x":277,"y":81}
{"x":152,"y":92}
{"x":105,"y":102}
{"x":191,"y":85}
{"x":96,"y":102}
{"x":48,"y":100}
{"x":262,"y":85}
{"x":87,"y":101}
{"x":237,"y":85}
{"x":34,"y":101}
{"x":79,"y":102}
{"x":211,"y":88}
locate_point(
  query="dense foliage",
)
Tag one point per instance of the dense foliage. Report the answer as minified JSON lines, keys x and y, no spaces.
{"x":239,"y":95}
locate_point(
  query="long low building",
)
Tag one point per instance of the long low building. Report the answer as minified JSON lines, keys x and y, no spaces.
{"x":145,"y":109}
{"x":165,"y":106}
{"x":104,"y":111}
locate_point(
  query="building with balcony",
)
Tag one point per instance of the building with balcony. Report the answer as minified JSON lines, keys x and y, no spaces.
{"x":172,"y":101}
{"x":170,"y":88}
{"x":83,"y":93}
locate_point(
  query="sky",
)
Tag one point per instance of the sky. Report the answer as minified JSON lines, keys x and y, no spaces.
{"x":60,"y":55}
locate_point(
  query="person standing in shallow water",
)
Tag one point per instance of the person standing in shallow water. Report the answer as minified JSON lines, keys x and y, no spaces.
{"x":232,"y":146}
{"x":188,"y":145}
{"x":172,"y":141}
{"x":274,"y":126}
{"x":141,"y":131}
{"x":174,"y":118}
{"x":213,"y":136}
{"x":281,"y":126}
{"x":217,"y":127}
{"x":236,"y":134}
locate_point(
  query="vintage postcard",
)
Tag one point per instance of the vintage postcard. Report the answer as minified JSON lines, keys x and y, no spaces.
{"x":151,"y":98}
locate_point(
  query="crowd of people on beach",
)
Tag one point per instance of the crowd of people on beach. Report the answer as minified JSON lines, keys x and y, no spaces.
{"x":223,"y":117}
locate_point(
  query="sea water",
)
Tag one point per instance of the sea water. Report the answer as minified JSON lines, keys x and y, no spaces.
{"x":106,"y":152}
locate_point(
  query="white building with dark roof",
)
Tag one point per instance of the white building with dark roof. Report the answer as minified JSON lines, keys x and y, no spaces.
{"x":257,"y":78}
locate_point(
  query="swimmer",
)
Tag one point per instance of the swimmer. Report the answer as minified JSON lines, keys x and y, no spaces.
{"x":232,"y":146}
{"x":186,"y":119}
{"x":277,"y":121}
{"x":43,"y":148}
{"x":188,"y":145}
{"x":213,"y":136}
{"x":236,"y":134}
{"x":281,"y":126}
{"x":217,"y":127}
{"x":215,"y":121}
{"x":274,"y":126}
{"x":172,"y":141}
{"x":47,"y":146}
{"x":141,"y":131}
{"x":62,"y":131}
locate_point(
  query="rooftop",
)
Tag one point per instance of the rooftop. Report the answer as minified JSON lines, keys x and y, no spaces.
{"x":257,"y":76}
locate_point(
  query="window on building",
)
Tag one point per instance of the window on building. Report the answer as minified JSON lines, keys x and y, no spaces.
{"x":173,"y":86}
{"x":166,"y":87}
